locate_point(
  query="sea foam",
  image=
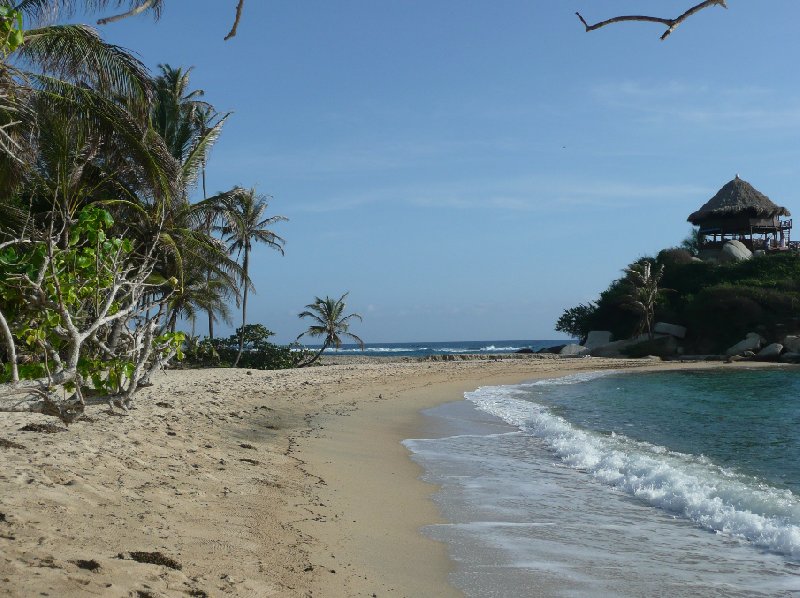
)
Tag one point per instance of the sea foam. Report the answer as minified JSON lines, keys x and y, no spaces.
{"x":691,"y":486}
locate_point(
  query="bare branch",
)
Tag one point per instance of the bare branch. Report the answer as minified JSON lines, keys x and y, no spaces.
{"x":232,"y":32}
{"x":10,"y":347}
{"x":137,"y":10}
{"x":671,"y":24}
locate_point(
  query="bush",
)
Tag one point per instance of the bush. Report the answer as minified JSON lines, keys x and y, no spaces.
{"x":577,"y":321}
{"x":258,"y":354}
{"x":718,"y":303}
{"x":674,"y":255}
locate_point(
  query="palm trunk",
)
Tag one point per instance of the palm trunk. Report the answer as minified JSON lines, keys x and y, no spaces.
{"x":245,"y":280}
{"x":208,"y":273}
{"x":325,"y":345}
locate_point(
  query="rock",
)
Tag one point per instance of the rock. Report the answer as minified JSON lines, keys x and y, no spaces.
{"x":597,"y":338}
{"x":752,"y":342}
{"x":553,"y":350}
{"x":613,"y":349}
{"x":792,"y":343}
{"x":734,"y":251}
{"x":748,"y":354}
{"x":573,"y":351}
{"x":772,"y":351}
{"x":790,"y":357}
{"x":524,"y":350}
{"x":661,"y":346}
{"x":671,"y":329}
{"x":734,"y":358}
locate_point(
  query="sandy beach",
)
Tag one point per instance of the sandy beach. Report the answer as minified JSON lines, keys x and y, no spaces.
{"x":245,"y":483}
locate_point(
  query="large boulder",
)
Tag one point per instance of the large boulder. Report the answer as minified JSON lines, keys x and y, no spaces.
{"x":770,"y":352}
{"x":670,"y":329}
{"x":790,"y":357}
{"x":751,"y":342}
{"x":613,"y":349}
{"x":660,"y":346}
{"x":792,"y":343}
{"x":573,"y":351}
{"x":734,"y":251}
{"x":553,"y":350}
{"x":597,"y":338}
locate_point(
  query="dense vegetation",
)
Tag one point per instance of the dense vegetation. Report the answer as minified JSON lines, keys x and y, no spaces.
{"x":105,"y":246}
{"x":717,"y":303}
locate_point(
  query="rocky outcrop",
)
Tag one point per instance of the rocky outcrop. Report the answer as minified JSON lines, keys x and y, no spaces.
{"x":573,"y":351}
{"x":770,"y":352}
{"x":670,"y":329}
{"x":734,"y":251}
{"x":790,"y":357}
{"x":597,"y":338}
{"x":792,"y":343}
{"x":613,"y":349}
{"x":751,"y":342}
{"x":554,"y":350}
{"x":661,"y":346}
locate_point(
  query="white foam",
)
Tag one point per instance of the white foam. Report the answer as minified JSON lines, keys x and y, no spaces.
{"x":689,"y":485}
{"x":376,"y":350}
{"x":572,"y":378}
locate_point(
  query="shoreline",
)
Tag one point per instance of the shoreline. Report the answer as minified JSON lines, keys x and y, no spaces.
{"x":256,"y":483}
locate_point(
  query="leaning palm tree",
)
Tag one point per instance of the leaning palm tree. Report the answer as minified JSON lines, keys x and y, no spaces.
{"x":245,"y":223}
{"x":329,"y":322}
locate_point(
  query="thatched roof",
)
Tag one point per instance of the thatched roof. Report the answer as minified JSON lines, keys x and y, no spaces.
{"x":738,"y":198}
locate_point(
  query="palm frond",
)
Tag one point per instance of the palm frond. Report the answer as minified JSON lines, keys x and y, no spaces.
{"x":76,"y":53}
{"x":197,"y":155}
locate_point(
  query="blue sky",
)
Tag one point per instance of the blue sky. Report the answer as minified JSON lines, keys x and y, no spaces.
{"x":469,"y":170}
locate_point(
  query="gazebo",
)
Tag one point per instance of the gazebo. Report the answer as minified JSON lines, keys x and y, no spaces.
{"x":740,"y":212}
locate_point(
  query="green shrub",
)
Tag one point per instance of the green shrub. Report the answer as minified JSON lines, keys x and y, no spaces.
{"x":718,"y":303}
{"x":258,"y":354}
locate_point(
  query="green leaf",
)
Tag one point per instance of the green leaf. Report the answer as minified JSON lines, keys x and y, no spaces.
{"x":85,"y":262}
{"x":16,"y":39}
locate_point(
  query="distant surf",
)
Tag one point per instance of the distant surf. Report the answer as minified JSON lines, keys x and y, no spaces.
{"x":422,"y":349}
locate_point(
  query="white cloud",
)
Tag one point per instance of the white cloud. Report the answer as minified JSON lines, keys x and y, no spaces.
{"x":723,"y":109}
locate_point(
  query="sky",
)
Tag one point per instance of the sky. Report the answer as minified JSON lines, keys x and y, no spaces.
{"x":468,"y":170}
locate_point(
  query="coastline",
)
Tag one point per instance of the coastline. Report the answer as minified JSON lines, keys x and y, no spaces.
{"x":257,"y":483}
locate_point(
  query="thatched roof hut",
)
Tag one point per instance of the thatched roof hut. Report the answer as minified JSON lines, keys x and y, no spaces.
{"x":737,"y":199}
{"x":740,"y":211}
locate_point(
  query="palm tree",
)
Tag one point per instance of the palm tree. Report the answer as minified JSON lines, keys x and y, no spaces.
{"x":329,"y":322}
{"x":68,"y":70}
{"x":245,"y":224}
{"x":644,"y":292}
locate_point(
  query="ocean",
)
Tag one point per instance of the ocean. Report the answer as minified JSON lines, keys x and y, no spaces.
{"x":683,"y":483}
{"x":422,"y":349}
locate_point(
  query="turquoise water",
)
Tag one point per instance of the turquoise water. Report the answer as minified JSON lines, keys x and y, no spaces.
{"x":745,"y":420}
{"x":622,"y":484}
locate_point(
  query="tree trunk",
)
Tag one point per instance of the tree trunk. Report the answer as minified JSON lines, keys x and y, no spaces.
{"x":325,"y":345}
{"x":245,"y":280}
{"x":208,"y":273}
